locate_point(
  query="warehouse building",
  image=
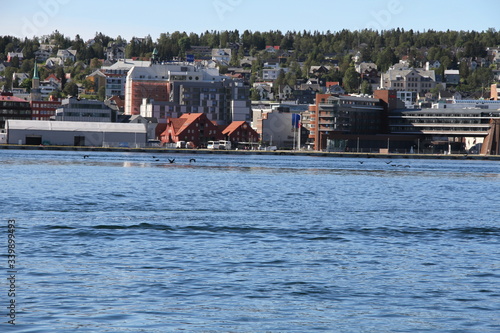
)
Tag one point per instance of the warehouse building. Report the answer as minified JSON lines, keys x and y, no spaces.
{"x":67,"y":133}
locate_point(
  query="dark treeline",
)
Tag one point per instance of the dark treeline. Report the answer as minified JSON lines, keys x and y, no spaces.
{"x":383,"y":48}
{"x":305,"y":44}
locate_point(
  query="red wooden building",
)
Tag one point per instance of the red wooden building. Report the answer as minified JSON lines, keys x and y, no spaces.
{"x":191,"y":127}
{"x":240,"y":131}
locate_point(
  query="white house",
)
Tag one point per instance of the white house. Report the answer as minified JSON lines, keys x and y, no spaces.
{"x":53,"y":62}
{"x":221,"y":55}
{"x":67,"y":54}
{"x":432,"y":64}
{"x":12,"y":55}
{"x":271,"y":74}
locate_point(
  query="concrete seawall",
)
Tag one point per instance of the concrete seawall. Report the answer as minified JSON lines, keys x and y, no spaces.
{"x":257,"y":152}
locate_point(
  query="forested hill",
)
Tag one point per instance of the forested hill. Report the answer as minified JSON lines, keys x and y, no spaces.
{"x":305,"y":44}
{"x":384,"y":48}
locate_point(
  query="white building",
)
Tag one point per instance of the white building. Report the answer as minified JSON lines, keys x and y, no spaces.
{"x":413,"y":79}
{"x":222,"y":56}
{"x":67,"y":133}
{"x":271,"y":74}
{"x":116,"y":75}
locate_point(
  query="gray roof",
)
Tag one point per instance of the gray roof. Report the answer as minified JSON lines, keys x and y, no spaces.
{"x":393,"y":74}
{"x":75,"y":126}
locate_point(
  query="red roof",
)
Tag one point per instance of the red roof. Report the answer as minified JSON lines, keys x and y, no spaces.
{"x":12,"y":99}
{"x":177,"y":124}
{"x":332,"y":83}
{"x":52,"y":76}
{"x":118,"y":101}
{"x":233,"y":127}
{"x":187,"y":119}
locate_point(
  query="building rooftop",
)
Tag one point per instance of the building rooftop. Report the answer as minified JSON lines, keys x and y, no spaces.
{"x":12,"y":99}
{"x":76,"y":126}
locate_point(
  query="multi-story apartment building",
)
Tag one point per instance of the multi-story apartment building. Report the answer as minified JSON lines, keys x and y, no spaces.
{"x":44,"y":110}
{"x":73,"y":109}
{"x":116,"y":75}
{"x":12,"y":107}
{"x":335,"y":116}
{"x":185,"y":88}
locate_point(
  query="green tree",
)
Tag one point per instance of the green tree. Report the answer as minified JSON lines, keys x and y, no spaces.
{"x":254,"y":94}
{"x":27,"y":66}
{"x":435,"y":91}
{"x":386,"y":59}
{"x":95,"y":63}
{"x":184,"y":45}
{"x":15,"y":62}
{"x":26,"y":84}
{"x":101,"y":94}
{"x":366,"y":88}
{"x":8,"y":73}
{"x":89,"y":85}
{"x":71,"y":89}
{"x":56,"y":94}
{"x":351,"y":80}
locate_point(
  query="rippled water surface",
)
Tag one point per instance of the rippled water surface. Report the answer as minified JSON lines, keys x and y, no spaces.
{"x":124,"y":242}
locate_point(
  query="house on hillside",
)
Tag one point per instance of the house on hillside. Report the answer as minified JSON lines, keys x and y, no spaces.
{"x":12,"y":55}
{"x":334,"y":88}
{"x":67,"y":54}
{"x":317,"y":71}
{"x":222,"y":56}
{"x":272,"y":49}
{"x":452,"y":76}
{"x":115,"y":52}
{"x":54,"y":62}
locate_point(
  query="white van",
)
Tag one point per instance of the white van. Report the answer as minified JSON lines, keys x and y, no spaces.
{"x":223,"y":144}
{"x":213,"y":145}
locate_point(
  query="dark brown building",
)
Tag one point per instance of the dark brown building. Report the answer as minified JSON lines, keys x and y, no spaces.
{"x":13,"y":108}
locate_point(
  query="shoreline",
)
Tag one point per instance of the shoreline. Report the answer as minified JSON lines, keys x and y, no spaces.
{"x":256,"y":152}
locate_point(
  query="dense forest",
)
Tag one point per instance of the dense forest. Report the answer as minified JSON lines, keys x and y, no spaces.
{"x":384,"y":48}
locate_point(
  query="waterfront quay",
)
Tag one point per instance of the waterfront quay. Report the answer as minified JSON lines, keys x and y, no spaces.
{"x":157,"y":150}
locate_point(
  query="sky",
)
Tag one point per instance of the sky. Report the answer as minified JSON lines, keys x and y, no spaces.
{"x":129,"y":19}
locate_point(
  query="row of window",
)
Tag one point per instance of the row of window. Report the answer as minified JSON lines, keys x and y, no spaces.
{"x":210,"y":132}
{"x":86,"y":106}
{"x":438,"y":129}
{"x":5,"y":104}
{"x":19,"y":112}
{"x":86,"y":114}
{"x":45,"y":112}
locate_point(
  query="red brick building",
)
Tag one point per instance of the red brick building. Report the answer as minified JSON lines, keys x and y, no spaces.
{"x":157,"y":90}
{"x":191,"y":127}
{"x":240,"y":131}
{"x":43,"y":110}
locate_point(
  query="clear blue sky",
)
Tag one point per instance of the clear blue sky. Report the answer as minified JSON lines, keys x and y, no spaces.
{"x":141,"y":18}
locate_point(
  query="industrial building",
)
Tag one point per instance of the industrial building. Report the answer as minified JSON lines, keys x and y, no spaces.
{"x":68,"y":133}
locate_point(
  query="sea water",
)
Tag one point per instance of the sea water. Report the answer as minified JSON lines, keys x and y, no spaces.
{"x":130,"y":242}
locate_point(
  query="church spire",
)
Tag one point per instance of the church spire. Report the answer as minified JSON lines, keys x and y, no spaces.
{"x":36,"y":94}
{"x":35,"y":72}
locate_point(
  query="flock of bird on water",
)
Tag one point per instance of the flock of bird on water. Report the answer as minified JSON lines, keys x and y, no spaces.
{"x":192,"y":160}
